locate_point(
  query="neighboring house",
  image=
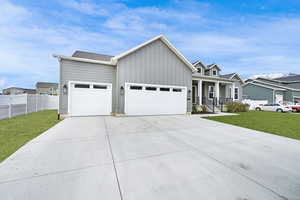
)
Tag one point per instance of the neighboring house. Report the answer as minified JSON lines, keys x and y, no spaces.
{"x":17,"y":90}
{"x":279,"y":90}
{"x":46,"y":88}
{"x":153,"y":78}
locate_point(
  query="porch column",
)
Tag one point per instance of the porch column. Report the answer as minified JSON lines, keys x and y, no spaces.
{"x":217,"y":84}
{"x":200,"y":91}
{"x":232,"y":91}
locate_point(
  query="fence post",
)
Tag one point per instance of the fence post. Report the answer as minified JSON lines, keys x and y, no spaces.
{"x":9,"y":110}
{"x":26,"y":103}
{"x":36,"y":103}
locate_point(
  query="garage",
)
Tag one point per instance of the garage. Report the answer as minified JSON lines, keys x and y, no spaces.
{"x":87,"y":99}
{"x":146,"y":99}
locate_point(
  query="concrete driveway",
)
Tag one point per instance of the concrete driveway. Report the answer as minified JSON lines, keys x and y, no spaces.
{"x":162,"y":157}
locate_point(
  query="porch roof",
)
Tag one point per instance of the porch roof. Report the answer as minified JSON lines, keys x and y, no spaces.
{"x":210,"y":78}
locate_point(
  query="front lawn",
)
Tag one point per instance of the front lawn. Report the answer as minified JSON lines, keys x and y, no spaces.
{"x":15,"y":132}
{"x":284,"y":124}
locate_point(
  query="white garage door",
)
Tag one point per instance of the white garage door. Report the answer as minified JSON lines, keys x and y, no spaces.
{"x":145,"y":99}
{"x":90,"y":99}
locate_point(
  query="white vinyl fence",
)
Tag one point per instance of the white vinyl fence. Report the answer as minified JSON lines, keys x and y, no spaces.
{"x":254,"y":103}
{"x":14,"y":105}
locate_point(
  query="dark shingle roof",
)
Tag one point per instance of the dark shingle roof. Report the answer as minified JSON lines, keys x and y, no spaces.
{"x":289,"y":78}
{"x":227,"y":75}
{"x":93,"y":56}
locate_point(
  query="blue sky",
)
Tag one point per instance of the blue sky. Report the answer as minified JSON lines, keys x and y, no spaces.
{"x":247,"y":37}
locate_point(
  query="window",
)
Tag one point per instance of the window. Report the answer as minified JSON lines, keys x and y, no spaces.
{"x":211,"y":91}
{"x":151,"y":88}
{"x":82,"y":86}
{"x":236,"y":93}
{"x":164,"y":89}
{"x":99,"y":86}
{"x":177,"y":90}
{"x":214,"y":72}
{"x":135,"y":87}
{"x":230,"y":92}
{"x":199,"y":70}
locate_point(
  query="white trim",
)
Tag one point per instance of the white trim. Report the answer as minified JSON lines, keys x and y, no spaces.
{"x":208,"y":91}
{"x":257,"y":84}
{"x":206,"y":78}
{"x":235,"y":74}
{"x":212,"y":72}
{"x":277,"y":85}
{"x":196,"y":63}
{"x":81,"y":82}
{"x":82,"y":60}
{"x":238,"y":93}
{"x":115,"y":59}
{"x":214,"y":65}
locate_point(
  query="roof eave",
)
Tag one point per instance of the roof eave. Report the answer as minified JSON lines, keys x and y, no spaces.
{"x":82,"y":60}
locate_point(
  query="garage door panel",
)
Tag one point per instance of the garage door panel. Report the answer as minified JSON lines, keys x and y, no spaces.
{"x":93,"y":100}
{"x":154,"y":102}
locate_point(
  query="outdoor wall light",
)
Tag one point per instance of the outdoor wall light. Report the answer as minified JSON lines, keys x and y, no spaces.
{"x":65,"y":89}
{"x":122,"y":90}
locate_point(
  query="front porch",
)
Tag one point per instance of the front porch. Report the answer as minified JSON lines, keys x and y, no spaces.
{"x":212,"y":93}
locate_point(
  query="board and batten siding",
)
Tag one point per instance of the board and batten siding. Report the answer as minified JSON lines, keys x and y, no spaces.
{"x":255,"y":92}
{"x":87,"y":72}
{"x":154,"y":63}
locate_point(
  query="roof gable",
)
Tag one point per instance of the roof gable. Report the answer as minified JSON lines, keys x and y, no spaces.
{"x":165,"y":41}
{"x":211,"y":66}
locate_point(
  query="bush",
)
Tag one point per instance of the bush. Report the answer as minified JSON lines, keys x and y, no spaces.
{"x":199,"y":109}
{"x":237,"y":107}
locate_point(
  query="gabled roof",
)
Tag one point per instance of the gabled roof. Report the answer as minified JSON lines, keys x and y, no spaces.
{"x":264,"y":86}
{"x":165,"y":41}
{"x":291,"y":78}
{"x":93,"y":56}
{"x":212,"y":66}
{"x":274,"y":85}
{"x":199,"y":62}
{"x":229,"y":76}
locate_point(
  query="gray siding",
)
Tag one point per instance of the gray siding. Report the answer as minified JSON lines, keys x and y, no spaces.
{"x":255,"y":92}
{"x":153,"y":64}
{"x":89,"y":72}
{"x":238,"y":84}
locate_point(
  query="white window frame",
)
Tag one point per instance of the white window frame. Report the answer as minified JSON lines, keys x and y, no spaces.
{"x":214,"y":70}
{"x":238,"y":93}
{"x":213,"y":91}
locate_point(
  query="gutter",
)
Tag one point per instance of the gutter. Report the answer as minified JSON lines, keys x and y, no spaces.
{"x":86,"y":60}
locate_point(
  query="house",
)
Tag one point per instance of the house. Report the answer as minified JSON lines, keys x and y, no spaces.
{"x":278,"y":90}
{"x":17,"y":90}
{"x":153,"y":78}
{"x":210,"y":86}
{"x":46,"y":88}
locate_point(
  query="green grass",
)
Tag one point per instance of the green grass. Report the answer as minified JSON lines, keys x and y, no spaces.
{"x":15,"y":132}
{"x":284,"y":124}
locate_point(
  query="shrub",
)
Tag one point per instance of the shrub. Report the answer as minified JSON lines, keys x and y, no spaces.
{"x":237,"y":107}
{"x":199,"y":109}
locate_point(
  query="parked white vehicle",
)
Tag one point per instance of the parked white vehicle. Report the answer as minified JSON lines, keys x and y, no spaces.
{"x":273,"y":107}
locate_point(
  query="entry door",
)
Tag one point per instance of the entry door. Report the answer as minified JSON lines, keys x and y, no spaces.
{"x":87,"y":99}
{"x":145,"y":99}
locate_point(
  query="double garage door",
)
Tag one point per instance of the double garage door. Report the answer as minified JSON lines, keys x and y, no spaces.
{"x":145,"y":99}
{"x":86,"y":99}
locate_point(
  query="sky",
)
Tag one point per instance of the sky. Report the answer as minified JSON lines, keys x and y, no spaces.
{"x":247,"y":37}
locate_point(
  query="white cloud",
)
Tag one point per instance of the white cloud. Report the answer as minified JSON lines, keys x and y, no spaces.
{"x":86,"y":7}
